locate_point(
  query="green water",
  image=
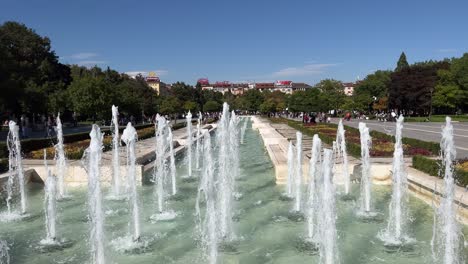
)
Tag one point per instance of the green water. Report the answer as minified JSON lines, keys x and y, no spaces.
{"x":265,"y":234}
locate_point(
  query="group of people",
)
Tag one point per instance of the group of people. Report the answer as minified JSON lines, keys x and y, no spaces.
{"x":312,"y":118}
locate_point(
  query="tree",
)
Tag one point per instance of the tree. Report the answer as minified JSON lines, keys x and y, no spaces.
{"x":402,"y":62}
{"x":332,"y":94}
{"x":190,"y":106}
{"x":447,"y":95}
{"x":253,"y":100}
{"x":411,"y":88}
{"x":92,"y":97}
{"x":29,"y":70}
{"x":211,"y":106}
{"x":459,"y":70}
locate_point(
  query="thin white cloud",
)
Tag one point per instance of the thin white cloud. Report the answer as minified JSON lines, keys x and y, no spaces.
{"x":447,"y":50}
{"x":90,"y":63}
{"x":145,"y":73}
{"x":83,"y":55}
{"x":306,"y":70}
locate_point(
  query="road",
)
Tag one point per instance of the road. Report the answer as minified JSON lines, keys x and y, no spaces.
{"x":427,"y":131}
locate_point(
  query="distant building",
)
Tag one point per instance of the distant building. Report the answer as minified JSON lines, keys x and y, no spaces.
{"x":154,"y":82}
{"x":223,"y":87}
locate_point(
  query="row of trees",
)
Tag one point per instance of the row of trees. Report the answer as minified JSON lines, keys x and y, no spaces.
{"x":33,"y":81}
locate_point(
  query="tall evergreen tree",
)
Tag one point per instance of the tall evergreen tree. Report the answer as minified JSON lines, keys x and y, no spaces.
{"x":402,"y":62}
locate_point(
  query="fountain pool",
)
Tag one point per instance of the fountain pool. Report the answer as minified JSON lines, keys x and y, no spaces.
{"x":265,"y":230}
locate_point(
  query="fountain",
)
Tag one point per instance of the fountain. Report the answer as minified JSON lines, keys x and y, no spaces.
{"x":365,"y":199}
{"x":15,"y":175}
{"x":244,"y":127}
{"x":291,"y":172}
{"x":60,"y":160}
{"x":234,"y":145}
{"x":116,"y":185}
{"x":327,"y":221}
{"x":226,"y":178}
{"x":208,"y":226}
{"x":341,"y":153}
{"x":92,"y":160}
{"x":172,"y":166}
{"x":447,"y":240}
{"x":395,"y":233}
{"x":50,"y":205}
{"x":161,"y":170}
{"x":189,"y":143}
{"x":4,"y":255}
{"x":298,"y":174}
{"x":129,"y":136}
{"x":198,"y":149}
{"x":312,"y":199}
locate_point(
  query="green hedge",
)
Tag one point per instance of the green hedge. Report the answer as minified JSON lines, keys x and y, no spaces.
{"x":434,"y":168}
{"x":28,"y":145}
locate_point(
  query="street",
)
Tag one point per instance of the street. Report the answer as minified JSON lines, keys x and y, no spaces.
{"x":427,"y":131}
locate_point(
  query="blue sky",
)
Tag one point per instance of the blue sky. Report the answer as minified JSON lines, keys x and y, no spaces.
{"x":247,"y":40}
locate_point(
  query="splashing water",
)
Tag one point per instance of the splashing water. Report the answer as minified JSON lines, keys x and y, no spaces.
{"x":129,"y":137}
{"x":50,"y":206}
{"x":314,"y":174}
{"x":92,"y":160}
{"x":172,"y":166}
{"x":4,"y":255}
{"x":290,"y":179}
{"x":244,"y":127}
{"x":226,"y":177}
{"x":207,"y":226}
{"x":198,"y":148}
{"x":395,"y":234}
{"x":15,"y":175}
{"x":327,"y":221}
{"x":60,"y":160}
{"x":162,"y":172}
{"x":366,"y":141}
{"x":298,"y":174}
{"x":189,"y":142}
{"x":116,"y":185}
{"x":447,"y":239}
{"x":342,"y":153}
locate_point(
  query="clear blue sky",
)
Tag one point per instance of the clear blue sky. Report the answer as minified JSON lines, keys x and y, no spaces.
{"x":247,"y":40}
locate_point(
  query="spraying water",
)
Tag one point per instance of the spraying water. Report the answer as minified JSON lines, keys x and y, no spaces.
{"x":116,"y":185}
{"x":447,"y":240}
{"x":50,"y":205}
{"x":341,"y":153}
{"x":172,"y":166}
{"x":244,"y":127}
{"x":291,"y":167}
{"x":327,"y":221}
{"x":129,"y":137}
{"x":314,"y":174}
{"x":15,"y":172}
{"x":92,"y":160}
{"x":60,"y":160}
{"x":4,"y":255}
{"x":161,"y":172}
{"x":298,"y":174}
{"x":207,"y":227}
{"x":225,"y":180}
{"x":366,"y":141}
{"x":394,"y":234}
{"x":198,"y":148}
{"x":189,"y":142}
{"x":234,"y":145}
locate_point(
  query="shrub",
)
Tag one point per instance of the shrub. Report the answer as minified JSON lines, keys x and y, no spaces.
{"x":434,"y":168}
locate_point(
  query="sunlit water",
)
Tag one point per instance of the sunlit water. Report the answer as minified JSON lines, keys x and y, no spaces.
{"x":266,"y":234}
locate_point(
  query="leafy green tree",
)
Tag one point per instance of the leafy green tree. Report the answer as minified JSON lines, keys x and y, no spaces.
{"x":92,"y":97}
{"x":402,"y":62}
{"x":447,"y":95}
{"x":29,"y":70}
{"x":459,"y":69}
{"x":190,"y":106}
{"x":211,"y":106}
{"x":332,"y":94}
{"x":253,"y":100}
